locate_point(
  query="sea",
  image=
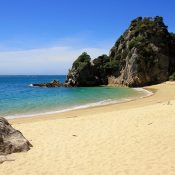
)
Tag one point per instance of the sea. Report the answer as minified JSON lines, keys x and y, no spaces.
{"x":18,"y":98}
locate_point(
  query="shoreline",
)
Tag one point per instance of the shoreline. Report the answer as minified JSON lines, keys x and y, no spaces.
{"x":140,"y":101}
{"x":148,"y":92}
{"x":135,"y":137}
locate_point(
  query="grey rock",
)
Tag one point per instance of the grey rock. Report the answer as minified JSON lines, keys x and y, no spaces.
{"x":11,"y":140}
{"x":52,"y":84}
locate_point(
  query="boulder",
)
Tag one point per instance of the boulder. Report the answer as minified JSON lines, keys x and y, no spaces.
{"x":11,"y":140}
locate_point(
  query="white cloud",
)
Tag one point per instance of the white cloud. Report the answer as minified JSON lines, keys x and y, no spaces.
{"x":55,"y":60}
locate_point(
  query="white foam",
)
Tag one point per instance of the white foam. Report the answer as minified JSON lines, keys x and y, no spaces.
{"x":100,"y":103}
{"x":148,"y":93}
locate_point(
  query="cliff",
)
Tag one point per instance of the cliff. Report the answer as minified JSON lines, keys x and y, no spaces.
{"x":143,"y":55}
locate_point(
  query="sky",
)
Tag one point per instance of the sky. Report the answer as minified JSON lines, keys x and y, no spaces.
{"x":44,"y":37}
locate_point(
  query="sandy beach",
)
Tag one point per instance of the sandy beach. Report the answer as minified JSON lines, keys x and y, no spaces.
{"x":132,"y":138}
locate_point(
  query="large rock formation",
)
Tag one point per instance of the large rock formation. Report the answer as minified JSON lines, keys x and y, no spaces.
{"x":82,"y":73}
{"x":11,"y":140}
{"x":85,"y":72}
{"x":143,"y":55}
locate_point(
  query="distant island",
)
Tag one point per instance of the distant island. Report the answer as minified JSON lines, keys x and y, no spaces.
{"x":143,"y":55}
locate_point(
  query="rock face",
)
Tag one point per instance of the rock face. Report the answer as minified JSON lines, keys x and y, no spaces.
{"x":54,"y":83}
{"x":143,"y":55}
{"x":85,"y":72}
{"x":11,"y":140}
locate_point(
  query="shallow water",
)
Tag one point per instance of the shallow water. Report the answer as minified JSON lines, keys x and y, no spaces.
{"x":18,"y":98}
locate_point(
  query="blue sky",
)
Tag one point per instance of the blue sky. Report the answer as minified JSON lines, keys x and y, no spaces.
{"x":45,"y":36}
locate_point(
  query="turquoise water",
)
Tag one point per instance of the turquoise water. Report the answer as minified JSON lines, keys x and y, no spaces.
{"x":17,"y":98}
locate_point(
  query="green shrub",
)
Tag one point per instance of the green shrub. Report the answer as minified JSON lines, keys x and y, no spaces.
{"x":172,"y":77}
{"x":121,"y":39}
{"x":136,"y":41}
{"x":83,"y":58}
{"x":101,"y":60}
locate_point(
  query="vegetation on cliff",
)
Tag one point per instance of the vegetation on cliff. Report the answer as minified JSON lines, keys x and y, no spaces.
{"x":143,"y":55}
{"x":82,"y":72}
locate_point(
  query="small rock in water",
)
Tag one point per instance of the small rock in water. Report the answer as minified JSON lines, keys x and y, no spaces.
{"x":53,"y":83}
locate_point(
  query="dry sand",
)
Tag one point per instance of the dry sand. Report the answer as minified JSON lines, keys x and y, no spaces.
{"x":133,"y":138}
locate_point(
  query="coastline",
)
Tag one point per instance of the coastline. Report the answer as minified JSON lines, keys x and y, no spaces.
{"x":126,"y":104}
{"x":146,"y":93}
{"x":135,"y":137}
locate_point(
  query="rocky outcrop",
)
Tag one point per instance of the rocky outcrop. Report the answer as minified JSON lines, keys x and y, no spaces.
{"x":52,"y":84}
{"x":143,"y":55}
{"x":82,"y":73}
{"x":85,"y":72}
{"x":11,"y":140}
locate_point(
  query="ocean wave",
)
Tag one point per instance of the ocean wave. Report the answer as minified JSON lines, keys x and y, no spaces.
{"x":148,"y":93}
{"x":31,"y":85}
{"x":89,"y":105}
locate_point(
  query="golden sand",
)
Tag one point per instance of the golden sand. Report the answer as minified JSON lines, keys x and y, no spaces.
{"x":132,"y":138}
